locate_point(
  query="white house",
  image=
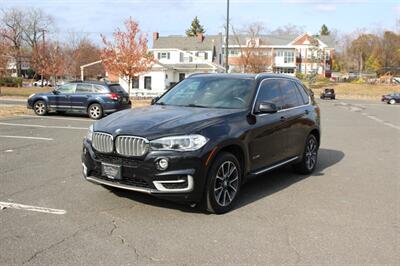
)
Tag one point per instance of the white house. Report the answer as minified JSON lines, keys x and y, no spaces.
{"x":176,"y":57}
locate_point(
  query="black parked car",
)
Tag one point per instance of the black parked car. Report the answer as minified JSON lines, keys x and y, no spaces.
{"x":88,"y":97}
{"x":328,"y":94}
{"x":203,"y":138}
{"x":391,"y":98}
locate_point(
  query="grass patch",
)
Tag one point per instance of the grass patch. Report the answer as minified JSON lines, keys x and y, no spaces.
{"x":358,"y":91}
{"x":7,"y":110}
{"x":22,"y":91}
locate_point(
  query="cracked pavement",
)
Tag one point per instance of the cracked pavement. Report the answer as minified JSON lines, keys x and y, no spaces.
{"x":347,"y":212}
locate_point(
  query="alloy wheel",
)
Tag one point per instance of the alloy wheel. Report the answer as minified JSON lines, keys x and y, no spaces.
{"x":40,"y":108}
{"x":311,"y":153}
{"x":95,"y":111}
{"x":226,"y":183}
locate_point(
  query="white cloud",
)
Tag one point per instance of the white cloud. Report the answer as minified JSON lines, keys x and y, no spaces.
{"x":325,"y":7}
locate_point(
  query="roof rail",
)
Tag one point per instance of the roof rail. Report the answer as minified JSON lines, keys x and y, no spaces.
{"x":196,"y":74}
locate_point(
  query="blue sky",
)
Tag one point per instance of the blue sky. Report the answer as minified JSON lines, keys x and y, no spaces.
{"x":172,"y":17}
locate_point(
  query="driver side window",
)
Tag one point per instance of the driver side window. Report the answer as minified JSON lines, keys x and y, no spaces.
{"x":270,"y":92}
{"x":67,"y":88}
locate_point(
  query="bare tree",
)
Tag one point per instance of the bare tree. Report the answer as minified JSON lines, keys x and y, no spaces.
{"x":11,"y":28}
{"x":80,"y":51}
{"x":35,"y":24}
{"x":288,"y":29}
{"x":252,"y":58}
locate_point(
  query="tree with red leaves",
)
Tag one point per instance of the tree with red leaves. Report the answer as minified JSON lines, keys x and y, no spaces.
{"x":4,"y":56}
{"x":48,"y":60}
{"x":127,"y":55}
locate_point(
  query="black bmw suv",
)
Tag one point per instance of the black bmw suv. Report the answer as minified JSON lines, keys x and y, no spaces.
{"x":202,"y":139}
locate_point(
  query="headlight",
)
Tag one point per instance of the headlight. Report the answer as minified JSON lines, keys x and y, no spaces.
{"x":90,"y":133}
{"x":179,"y":143}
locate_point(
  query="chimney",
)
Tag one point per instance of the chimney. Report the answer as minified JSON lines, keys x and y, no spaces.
{"x":155,"y":36}
{"x":200,"y":37}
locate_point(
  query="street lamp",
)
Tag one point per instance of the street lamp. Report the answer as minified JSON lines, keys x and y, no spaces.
{"x":227,"y":38}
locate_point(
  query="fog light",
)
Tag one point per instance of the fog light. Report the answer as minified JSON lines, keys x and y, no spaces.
{"x":162,"y":164}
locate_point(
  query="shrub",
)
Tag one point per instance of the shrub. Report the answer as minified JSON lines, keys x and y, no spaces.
{"x":299,"y":75}
{"x":358,"y":81}
{"x":11,"y":82}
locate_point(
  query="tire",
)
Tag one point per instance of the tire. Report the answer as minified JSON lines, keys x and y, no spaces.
{"x":95,"y":111}
{"x":223,"y":188}
{"x":310,"y":157}
{"x":40,"y":108}
{"x":392,"y":101}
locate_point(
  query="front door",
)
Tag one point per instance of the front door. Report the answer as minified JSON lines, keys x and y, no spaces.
{"x":269,"y":134}
{"x":60,"y":100}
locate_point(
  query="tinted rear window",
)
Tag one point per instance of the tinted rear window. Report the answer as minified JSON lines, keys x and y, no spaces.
{"x":116,"y":88}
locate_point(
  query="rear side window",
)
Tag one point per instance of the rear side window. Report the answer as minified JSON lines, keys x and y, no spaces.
{"x":290,"y":95}
{"x":84,"y":88}
{"x":303,"y":93}
{"x":100,"y":89}
{"x":270,"y":92}
{"x":116,"y":88}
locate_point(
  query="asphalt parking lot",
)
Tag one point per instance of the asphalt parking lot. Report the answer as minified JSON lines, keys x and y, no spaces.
{"x":347,"y":212}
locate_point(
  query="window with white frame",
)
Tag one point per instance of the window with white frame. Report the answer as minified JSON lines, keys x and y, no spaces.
{"x":164,"y":55}
{"x":288,"y":57}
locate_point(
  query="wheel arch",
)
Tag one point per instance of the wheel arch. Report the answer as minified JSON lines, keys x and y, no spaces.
{"x":238,"y":150}
{"x":317,"y":135}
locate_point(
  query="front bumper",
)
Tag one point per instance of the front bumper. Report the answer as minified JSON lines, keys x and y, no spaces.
{"x":183,"y":181}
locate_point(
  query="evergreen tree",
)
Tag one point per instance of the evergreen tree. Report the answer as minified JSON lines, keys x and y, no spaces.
{"x":324,"y":30}
{"x":195,"y":28}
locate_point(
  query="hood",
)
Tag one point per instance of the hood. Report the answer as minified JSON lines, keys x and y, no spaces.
{"x":156,"y":120}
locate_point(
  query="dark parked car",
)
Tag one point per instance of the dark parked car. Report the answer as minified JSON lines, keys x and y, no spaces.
{"x":92,"y":98}
{"x":203,"y":138}
{"x":391,"y":98}
{"x":328,"y":94}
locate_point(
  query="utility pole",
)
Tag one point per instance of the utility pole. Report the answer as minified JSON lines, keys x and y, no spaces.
{"x":43,"y":50}
{"x":227,"y":38}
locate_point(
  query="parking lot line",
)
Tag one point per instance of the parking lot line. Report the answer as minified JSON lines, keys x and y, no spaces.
{"x":24,"y":137}
{"x":40,"y":126}
{"x":56,"y":118}
{"x":9,"y":205}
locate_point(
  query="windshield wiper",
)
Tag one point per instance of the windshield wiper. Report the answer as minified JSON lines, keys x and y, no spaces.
{"x":159,"y":103}
{"x":195,"y":105}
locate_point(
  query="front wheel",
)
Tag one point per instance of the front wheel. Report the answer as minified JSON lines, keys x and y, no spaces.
{"x":95,"y":111}
{"x":392,"y":101}
{"x":310,"y":156}
{"x":224,"y":180}
{"x":40,"y":108}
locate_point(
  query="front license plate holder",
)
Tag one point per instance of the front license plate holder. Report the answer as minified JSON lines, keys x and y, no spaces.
{"x":111,"y":171}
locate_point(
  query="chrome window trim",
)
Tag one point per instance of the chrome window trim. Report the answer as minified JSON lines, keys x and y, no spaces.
{"x":282,"y":110}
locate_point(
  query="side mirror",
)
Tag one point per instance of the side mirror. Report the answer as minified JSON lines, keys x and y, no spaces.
{"x":266,"y":108}
{"x":56,"y":92}
{"x":154,"y":100}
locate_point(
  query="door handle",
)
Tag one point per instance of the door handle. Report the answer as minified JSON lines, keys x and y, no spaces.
{"x":283,"y":118}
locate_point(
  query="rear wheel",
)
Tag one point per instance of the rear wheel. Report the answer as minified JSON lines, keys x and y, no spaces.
{"x":310,"y":156}
{"x":95,"y":111}
{"x":392,"y":101}
{"x":40,"y":107}
{"x":223,"y":184}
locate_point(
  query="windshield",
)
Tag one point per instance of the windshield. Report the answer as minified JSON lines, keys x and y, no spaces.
{"x":211,"y":92}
